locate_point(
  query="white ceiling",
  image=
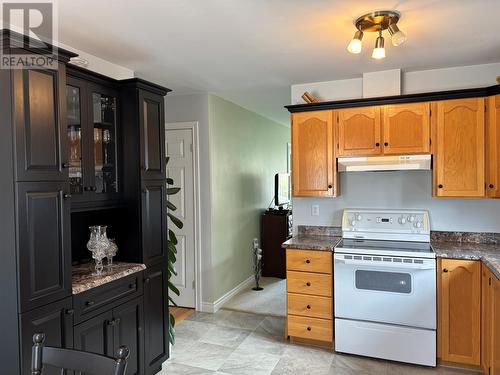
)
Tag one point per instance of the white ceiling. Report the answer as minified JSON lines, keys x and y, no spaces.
{"x":251,"y":51}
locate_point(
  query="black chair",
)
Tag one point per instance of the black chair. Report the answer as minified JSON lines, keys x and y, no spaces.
{"x":89,"y":363}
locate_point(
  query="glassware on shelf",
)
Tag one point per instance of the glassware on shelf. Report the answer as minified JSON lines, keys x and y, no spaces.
{"x":98,"y":245}
{"x":111,"y":252}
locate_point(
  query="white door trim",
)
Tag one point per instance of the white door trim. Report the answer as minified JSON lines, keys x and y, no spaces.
{"x":194,"y":126}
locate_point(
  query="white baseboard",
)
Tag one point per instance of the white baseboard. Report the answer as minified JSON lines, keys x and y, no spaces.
{"x":213,"y":307}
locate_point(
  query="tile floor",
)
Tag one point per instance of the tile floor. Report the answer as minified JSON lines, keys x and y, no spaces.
{"x":236,"y":343}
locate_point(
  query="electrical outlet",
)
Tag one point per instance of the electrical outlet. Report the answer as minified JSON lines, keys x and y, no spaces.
{"x":314,"y":210}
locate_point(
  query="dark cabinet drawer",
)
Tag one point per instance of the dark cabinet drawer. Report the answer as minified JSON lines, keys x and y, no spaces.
{"x":102,"y":298}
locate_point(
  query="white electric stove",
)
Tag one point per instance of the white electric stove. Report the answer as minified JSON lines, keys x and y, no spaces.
{"x":385,"y":286}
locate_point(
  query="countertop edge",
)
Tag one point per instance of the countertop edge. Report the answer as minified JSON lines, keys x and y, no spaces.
{"x":106,"y":279}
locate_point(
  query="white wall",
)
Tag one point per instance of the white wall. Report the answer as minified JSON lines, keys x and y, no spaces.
{"x":194,"y":107}
{"x":412,"y":82}
{"x":402,"y":189}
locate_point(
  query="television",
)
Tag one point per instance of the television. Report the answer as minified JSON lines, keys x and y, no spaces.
{"x":281,"y":189}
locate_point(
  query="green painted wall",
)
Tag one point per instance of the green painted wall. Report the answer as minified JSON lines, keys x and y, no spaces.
{"x":246,"y":150}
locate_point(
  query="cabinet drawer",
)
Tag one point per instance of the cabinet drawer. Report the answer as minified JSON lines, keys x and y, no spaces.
{"x":309,"y":283}
{"x":309,"y":261}
{"x":103,"y":298}
{"x":313,"y":306}
{"x":310,"y":328}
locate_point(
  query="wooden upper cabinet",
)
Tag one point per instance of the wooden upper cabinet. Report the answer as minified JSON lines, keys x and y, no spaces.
{"x":459,"y":325}
{"x":406,"y":128}
{"x":459,"y":159}
{"x":493,"y":147}
{"x":359,"y":131}
{"x":313,"y":159}
{"x":39,"y":114}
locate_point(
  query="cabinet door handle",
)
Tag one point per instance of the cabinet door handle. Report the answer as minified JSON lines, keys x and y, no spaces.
{"x":377,"y":144}
{"x":308,"y":284}
{"x":147,"y":280}
{"x":445,"y":270}
{"x":492,"y":186}
{"x":69,"y":311}
{"x":308,"y":261}
{"x":330,"y":186}
{"x":117,"y":321}
{"x":89,"y":303}
{"x":132,"y":286}
{"x":308,"y":328}
{"x":386,"y":144}
{"x":440,"y":186}
{"x":308,"y":307}
{"x":67,"y":196}
{"x":87,"y":188}
{"x":65,"y":165}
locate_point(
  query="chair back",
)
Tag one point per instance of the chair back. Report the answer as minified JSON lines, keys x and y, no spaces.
{"x":76,"y":360}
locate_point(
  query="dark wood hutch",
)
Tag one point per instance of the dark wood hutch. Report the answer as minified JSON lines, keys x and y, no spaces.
{"x":78,"y":149}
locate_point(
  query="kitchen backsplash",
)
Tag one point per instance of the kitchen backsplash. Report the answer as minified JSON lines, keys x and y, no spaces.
{"x":436,"y":236}
{"x":400,"y":190}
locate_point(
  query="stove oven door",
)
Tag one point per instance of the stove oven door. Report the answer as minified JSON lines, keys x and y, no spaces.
{"x":382,"y":289}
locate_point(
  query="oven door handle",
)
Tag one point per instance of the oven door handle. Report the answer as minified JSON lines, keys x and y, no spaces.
{"x":413,"y":266}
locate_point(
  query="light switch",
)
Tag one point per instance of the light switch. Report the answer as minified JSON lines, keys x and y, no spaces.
{"x":315,"y":210}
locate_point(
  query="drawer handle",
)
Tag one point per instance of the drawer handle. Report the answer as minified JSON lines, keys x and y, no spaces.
{"x":308,"y":307}
{"x":89,"y":303}
{"x":308,"y":328}
{"x":308,"y":284}
{"x":308,"y":261}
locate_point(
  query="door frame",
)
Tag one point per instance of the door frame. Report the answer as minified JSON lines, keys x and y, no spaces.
{"x":194,"y":127}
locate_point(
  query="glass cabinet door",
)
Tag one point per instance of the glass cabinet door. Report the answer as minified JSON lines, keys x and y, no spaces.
{"x":74,"y":123}
{"x":104,"y":120}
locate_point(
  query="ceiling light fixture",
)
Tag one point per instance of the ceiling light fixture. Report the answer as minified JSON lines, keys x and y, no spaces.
{"x":377,"y":22}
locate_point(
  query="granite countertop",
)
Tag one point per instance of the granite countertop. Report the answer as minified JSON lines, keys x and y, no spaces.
{"x":489,"y":254}
{"x":84,"y":277}
{"x":312,"y":242}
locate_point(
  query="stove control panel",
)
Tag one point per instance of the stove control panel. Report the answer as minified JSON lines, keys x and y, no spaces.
{"x":403,"y":225}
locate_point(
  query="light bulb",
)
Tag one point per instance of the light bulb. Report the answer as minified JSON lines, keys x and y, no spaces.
{"x":397,"y":36}
{"x":355,"y":44}
{"x":379,"y":50}
{"x":378,"y":53}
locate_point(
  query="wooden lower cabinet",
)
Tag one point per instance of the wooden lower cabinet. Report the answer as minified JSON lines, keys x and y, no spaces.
{"x":56,"y":322}
{"x":491,"y":323}
{"x":105,"y":333}
{"x":459,"y":311}
{"x":309,"y":295}
{"x":310,"y":328}
{"x":485,"y":318}
{"x":156,"y":339}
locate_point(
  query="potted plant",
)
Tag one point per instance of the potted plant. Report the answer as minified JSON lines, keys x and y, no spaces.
{"x":172,"y":252}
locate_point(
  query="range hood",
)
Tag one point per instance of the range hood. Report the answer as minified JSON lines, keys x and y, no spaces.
{"x":384,"y":163}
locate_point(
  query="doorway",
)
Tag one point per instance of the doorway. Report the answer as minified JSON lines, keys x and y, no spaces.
{"x":182,"y":149}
